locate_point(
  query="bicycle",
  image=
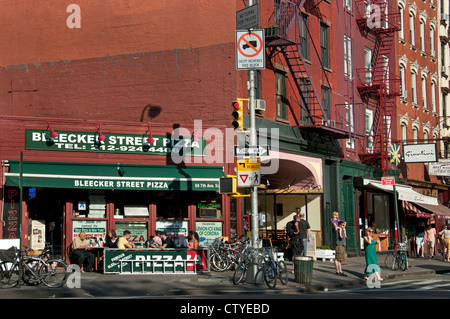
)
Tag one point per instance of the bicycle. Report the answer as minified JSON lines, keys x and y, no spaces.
{"x":224,"y":254}
{"x":274,"y":269}
{"x":398,"y":258}
{"x":35,"y":269}
{"x":241,"y":268}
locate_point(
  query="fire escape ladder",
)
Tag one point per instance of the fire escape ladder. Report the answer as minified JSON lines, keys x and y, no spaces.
{"x":377,"y":83}
{"x":302,"y":78}
{"x":283,"y":23}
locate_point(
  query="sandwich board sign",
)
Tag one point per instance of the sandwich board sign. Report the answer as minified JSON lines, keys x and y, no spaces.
{"x":250,"y":50}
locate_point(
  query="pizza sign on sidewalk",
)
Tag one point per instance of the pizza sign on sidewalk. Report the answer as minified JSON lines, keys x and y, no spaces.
{"x":250,"y":50}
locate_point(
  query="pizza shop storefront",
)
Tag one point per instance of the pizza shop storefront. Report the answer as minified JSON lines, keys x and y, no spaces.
{"x":62,"y":199}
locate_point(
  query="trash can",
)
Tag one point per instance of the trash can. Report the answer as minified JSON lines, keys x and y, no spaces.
{"x":303,"y":269}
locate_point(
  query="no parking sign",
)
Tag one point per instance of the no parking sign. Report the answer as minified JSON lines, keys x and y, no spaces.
{"x":250,"y":50}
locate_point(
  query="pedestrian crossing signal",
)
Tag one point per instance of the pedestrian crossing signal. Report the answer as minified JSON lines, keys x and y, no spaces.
{"x":227,"y":185}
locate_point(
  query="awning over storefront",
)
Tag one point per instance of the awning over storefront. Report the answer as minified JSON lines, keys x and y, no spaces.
{"x":404,"y":192}
{"x":412,"y":211}
{"x":439,"y":210}
{"x":114,"y":176}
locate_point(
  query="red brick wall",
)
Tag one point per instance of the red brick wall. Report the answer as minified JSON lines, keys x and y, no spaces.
{"x":37,"y":31}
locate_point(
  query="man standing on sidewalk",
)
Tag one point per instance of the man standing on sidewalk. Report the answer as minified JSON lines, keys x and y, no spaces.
{"x":304,"y":232}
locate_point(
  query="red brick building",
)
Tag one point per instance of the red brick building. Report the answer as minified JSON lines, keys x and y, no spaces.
{"x":126,"y":70}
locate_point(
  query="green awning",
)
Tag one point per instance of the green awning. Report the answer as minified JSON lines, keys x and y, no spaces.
{"x":114,"y":176}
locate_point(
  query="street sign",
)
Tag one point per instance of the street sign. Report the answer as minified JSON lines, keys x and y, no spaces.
{"x":251,"y":150}
{"x":390,"y":180}
{"x":248,"y":172}
{"x":250,"y":50}
{"x":248,"y":178}
{"x":247,"y":18}
{"x":248,"y":164}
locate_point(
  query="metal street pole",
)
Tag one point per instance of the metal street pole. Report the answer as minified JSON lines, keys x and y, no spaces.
{"x":254,"y":190}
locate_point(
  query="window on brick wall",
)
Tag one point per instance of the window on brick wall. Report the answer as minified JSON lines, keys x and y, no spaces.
{"x":280,"y":88}
{"x":324,"y":45}
{"x":304,"y":38}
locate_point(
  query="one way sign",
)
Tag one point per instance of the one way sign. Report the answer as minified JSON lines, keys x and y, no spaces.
{"x":251,"y":151}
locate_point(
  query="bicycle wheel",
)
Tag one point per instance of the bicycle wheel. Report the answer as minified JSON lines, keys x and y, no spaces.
{"x":282,"y":272}
{"x":54,"y":273}
{"x":270,"y":274}
{"x":391,"y":261}
{"x":239,"y":272}
{"x":220,"y":262}
{"x":9,"y":274}
{"x":403,"y":261}
{"x":28,"y":276}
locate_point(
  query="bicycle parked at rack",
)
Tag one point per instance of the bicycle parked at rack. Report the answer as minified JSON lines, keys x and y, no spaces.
{"x":241,"y":269}
{"x":274,"y":269}
{"x":224,"y":254}
{"x":398,"y":258}
{"x":35,"y":269}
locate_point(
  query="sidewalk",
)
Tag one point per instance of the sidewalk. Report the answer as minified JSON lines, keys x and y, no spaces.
{"x":324,"y":276}
{"x":98,"y":285}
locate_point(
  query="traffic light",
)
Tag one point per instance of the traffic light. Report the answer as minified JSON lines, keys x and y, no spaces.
{"x":238,"y":114}
{"x":227,"y":185}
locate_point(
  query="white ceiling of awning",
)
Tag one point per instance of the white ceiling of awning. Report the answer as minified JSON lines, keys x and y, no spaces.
{"x":404,"y":192}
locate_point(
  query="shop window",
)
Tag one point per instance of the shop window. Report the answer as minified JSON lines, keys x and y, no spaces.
{"x":131,"y":204}
{"x":139,"y":231}
{"x":172,"y":204}
{"x":89,"y":204}
{"x":209,"y":205}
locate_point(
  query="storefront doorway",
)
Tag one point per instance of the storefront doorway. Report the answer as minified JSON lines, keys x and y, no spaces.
{"x":47,"y":207}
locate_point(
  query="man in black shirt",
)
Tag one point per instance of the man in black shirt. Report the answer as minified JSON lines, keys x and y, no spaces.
{"x":166,"y":241}
{"x":303,"y":231}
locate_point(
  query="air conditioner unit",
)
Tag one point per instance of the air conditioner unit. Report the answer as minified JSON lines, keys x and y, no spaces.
{"x":260,"y":105}
{"x":443,"y":69}
{"x":433,"y":53}
{"x":444,"y":16}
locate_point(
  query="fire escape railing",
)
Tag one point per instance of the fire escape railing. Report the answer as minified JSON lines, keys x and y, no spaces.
{"x":377,"y":18}
{"x":281,"y":20}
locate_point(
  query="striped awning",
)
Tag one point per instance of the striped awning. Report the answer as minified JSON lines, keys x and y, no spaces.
{"x":410,"y":210}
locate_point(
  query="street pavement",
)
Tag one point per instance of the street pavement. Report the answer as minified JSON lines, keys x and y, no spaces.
{"x":212,"y":284}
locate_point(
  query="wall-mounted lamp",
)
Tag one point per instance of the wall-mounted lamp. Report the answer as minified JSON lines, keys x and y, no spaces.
{"x":119,"y":170}
{"x":101,"y":137}
{"x":150,"y":139}
{"x":53,"y":134}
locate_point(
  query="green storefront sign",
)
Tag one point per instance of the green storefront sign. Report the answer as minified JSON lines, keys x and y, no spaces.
{"x":152,"y":261}
{"x":114,"y":176}
{"x":113,"y":143}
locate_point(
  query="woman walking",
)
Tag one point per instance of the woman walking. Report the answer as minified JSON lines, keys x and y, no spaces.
{"x":446,"y":239}
{"x":371,"y":256}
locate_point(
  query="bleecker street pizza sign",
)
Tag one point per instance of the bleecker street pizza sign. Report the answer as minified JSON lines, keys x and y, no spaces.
{"x":250,"y":50}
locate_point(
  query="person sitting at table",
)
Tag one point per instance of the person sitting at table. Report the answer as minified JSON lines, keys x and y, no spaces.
{"x":166,"y":241}
{"x":124,"y":241}
{"x":181,"y":242}
{"x":154,"y":241}
{"x":193,"y":239}
{"x":80,"y":245}
{"x":111,"y":239}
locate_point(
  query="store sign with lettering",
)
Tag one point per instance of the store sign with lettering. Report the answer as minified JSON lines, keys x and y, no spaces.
{"x":420,"y":153}
{"x":152,"y":260}
{"x":11,"y":210}
{"x":113,"y":143}
{"x":136,"y":184}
